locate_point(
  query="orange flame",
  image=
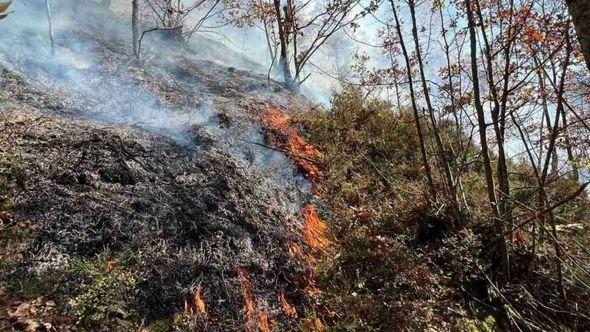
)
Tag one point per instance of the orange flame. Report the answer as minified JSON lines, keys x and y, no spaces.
{"x":190,"y":309}
{"x":316,"y":325}
{"x":294,"y":251}
{"x":277,"y":119}
{"x":248,"y":295}
{"x":199,"y":301}
{"x":288,"y":309}
{"x":264,"y":322}
{"x":314,"y":229}
{"x":306,"y":156}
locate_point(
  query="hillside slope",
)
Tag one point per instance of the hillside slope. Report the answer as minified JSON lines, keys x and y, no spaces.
{"x":138,"y":191}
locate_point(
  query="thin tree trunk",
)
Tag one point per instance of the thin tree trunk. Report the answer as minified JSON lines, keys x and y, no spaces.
{"x":501,"y":253}
{"x":568,"y":146}
{"x":271,"y":50}
{"x":541,"y":202}
{"x":553,"y":138}
{"x":544,"y":104}
{"x":444,"y":161}
{"x":425,"y":163}
{"x":50,"y":24}
{"x":283,"y":60}
{"x":498,"y":113}
{"x":135,"y":26}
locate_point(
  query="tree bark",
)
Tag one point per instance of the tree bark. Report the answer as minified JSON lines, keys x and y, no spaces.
{"x":580,"y":12}
{"x":135,"y":26}
{"x":50,"y":26}
{"x":283,"y":60}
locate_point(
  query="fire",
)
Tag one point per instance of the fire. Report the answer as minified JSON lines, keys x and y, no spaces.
{"x":315,"y":325}
{"x":199,"y":301}
{"x":263,"y":322}
{"x":248,"y":295}
{"x":277,"y":120}
{"x":262,"y":319}
{"x":198,"y":305}
{"x":303,"y":154}
{"x":288,"y":309}
{"x":314,"y":229}
{"x":307,"y":156}
{"x":295,"y":252}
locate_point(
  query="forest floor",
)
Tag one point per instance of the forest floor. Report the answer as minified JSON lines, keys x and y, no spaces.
{"x":174,"y":193}
{"x":143,"y":195}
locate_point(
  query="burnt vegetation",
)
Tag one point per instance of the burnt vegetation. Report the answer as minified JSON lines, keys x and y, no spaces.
{"x":155,"y":179}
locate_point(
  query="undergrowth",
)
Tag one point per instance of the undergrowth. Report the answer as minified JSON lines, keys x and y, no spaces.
{"x":397,"y":263}
{"x":375,"y":280}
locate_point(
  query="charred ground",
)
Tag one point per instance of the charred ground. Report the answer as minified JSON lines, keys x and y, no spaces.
{"x":114,"y":221}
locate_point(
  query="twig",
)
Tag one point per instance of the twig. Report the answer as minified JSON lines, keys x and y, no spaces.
{"x":551,"y":208}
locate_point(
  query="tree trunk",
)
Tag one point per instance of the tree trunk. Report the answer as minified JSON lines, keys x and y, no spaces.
{"x":552,"y":140}
{"x":498,"y":114}
{"x":289,"y":83}
{"x":568,"y":146}
{"x":500,"y":254}
{"x":50,"y":23}
{"x":135,"y":26}
{"x":442,"y":155}
{"x":580,"y":12}
{"x":427,"y":169}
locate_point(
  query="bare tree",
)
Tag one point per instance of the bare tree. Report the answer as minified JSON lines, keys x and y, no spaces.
{"x":406,"y":56}
{"x":50,"y":26}
{"x":179,"y":20}
{"x":301,"y":32}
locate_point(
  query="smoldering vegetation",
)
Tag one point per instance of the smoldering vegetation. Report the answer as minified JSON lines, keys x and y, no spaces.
{"x":168,"y":93}
{"x":156,"y":165}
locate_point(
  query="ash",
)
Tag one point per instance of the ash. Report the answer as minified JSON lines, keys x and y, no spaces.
{"x":157,"y":158}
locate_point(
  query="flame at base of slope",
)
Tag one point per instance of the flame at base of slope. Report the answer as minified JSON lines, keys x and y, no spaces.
{"x":254,"y":318}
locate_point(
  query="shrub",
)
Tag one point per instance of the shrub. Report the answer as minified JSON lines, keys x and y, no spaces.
{"x":105,"y":292}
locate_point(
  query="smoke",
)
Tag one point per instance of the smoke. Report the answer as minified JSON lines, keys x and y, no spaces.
{"x":81,"y":70}
{"x":94,"y":69}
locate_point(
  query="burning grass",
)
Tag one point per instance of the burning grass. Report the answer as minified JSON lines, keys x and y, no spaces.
{"x":212,"y":210}
{"x":282,"y":136}
{"x":256,"y":320}
{"x":314,"y":229}
{"x":288,"y":309}
{"x":197,"y":306}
